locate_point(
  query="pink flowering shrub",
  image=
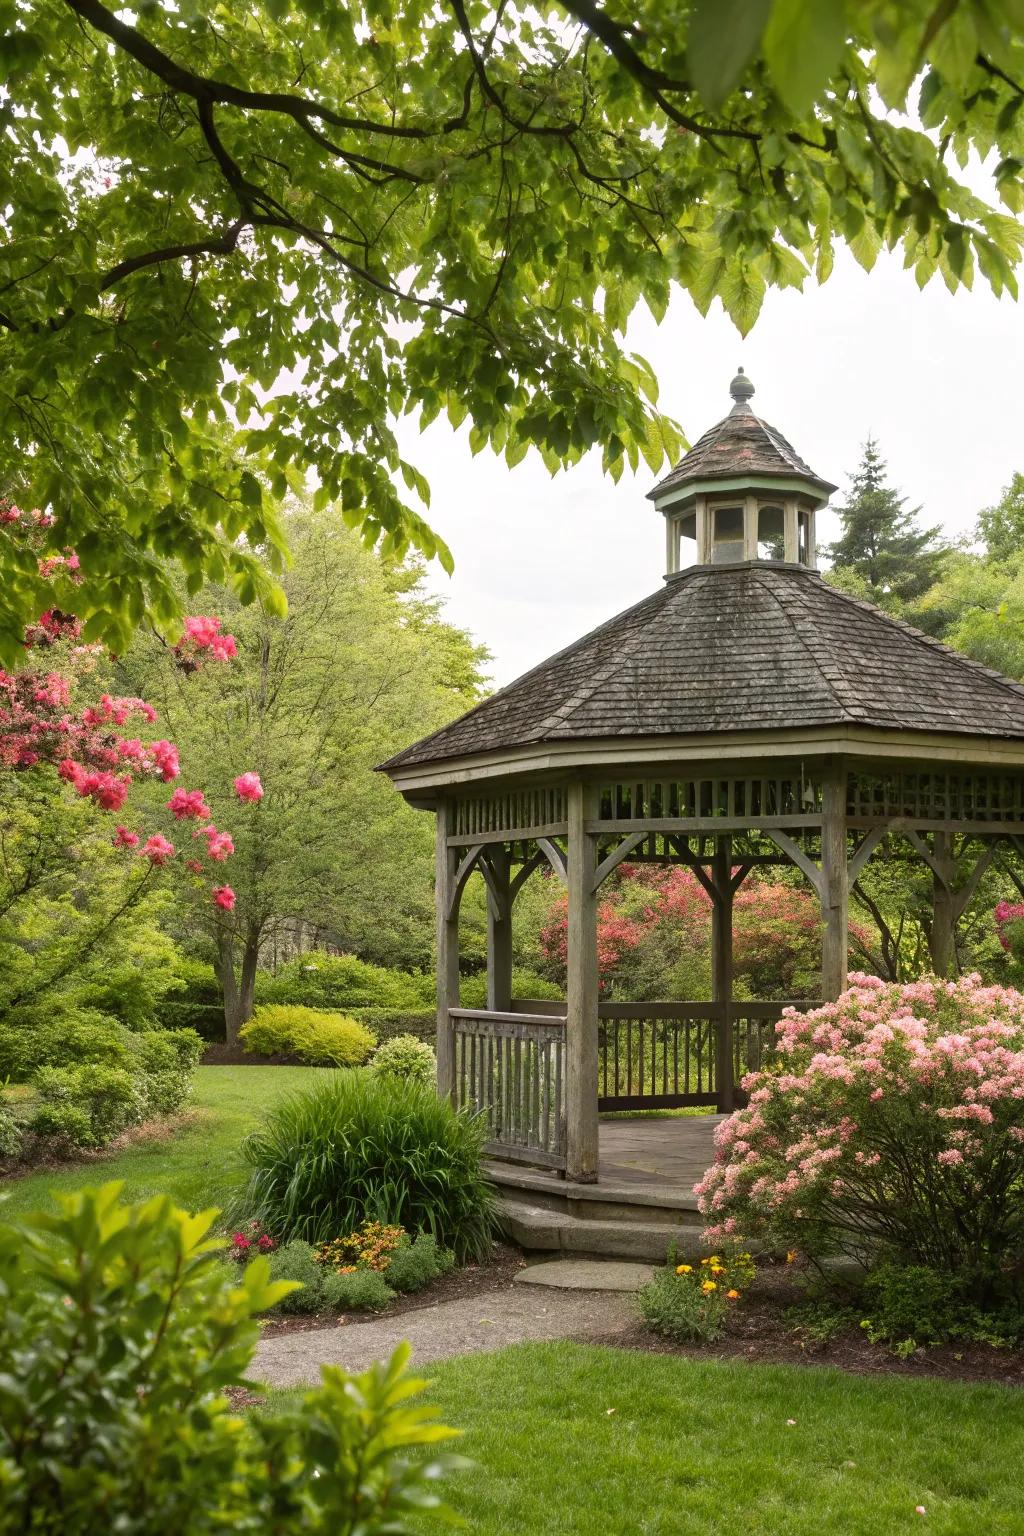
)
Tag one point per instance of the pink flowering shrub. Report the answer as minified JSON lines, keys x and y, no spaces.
{"x":889,"y":1124}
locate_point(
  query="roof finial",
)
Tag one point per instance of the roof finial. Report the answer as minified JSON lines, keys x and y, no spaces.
{"x":741,"y":390}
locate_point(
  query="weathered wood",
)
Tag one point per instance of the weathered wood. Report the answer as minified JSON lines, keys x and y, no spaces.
{"x":447,"y":913}
{"x":618,"y":854}
{"x":942,"y":932}
{"x":834,"y":888}
{"x":555,"y":857}
{"x":721,"y":971}
{"x":499,"y":931}
{"x":581,"y":992}
{"x":508,"y":1070}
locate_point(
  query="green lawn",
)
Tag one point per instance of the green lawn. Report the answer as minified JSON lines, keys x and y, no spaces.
{"x":197,"y":1165}
{"x":704,"y":1446}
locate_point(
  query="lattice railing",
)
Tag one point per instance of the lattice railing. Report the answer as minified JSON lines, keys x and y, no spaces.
{"x":514,"y":812}
{"x":510,"y":1068}
{"x":924,"y":797}
{"x":790,"y":794}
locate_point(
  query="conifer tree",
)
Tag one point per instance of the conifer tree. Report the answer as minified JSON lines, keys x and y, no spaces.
{"x":882,"y":552}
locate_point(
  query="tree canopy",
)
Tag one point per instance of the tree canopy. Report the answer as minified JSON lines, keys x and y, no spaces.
{"x":882,"y":553}
{"x":240,"y":241}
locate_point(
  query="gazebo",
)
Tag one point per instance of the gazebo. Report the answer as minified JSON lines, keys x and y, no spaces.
{"x":746,"y":714}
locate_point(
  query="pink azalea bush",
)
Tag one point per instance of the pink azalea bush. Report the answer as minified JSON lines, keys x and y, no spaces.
{"x":890,"y":1125}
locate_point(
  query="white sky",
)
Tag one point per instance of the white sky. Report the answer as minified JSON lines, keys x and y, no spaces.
{"x":935,"y":377}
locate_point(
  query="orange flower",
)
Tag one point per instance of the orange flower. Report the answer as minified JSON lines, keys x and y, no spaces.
{"x":733,"y":1295}
{"x":684,"y":1269}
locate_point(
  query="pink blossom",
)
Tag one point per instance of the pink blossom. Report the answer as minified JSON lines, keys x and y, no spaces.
{"x":125,"y":839}
{"x":188,"y":803}
{"x":248,"y":786}
{"x":218,"y":844}
{"x":157,"y":850}
{"x":224,"y":897}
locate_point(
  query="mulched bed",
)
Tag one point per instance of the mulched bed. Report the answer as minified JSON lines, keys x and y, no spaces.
{"x":497,"y":1274}
{"x":224,"y":1055}
{"x":761,"y":1333}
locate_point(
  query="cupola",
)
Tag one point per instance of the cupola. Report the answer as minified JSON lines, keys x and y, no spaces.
{"x":741,"y":494}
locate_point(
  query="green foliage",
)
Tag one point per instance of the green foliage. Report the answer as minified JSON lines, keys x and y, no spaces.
{"x":404,"y":1056}
{"x":386,"y":1023}
{"x":120,"y":1329}
{"x":356,"y":1147}
{"x":881,"y":553}
{"x":526,"y":982}
{"x":297,"y":1263}
{"x":319,"y":1039}
{"x":415,"y":1264}
{"x":57,"y":1032}
{"x":691,"y":1303}
{"x":344,"y":981}
{"x":721,"y":148}
{"x":900,"y":1302}
{"x":108,"y":1098}
{"x":10,"y":1135}
{"x":363,"y":1289}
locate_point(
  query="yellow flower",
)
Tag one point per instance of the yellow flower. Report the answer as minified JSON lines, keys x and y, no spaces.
{"x":708,"y":1286}
{"x":791,"y":1256}
{"x":733,"y":1295}
{"x":684,"y":1269}
{"x":705,"y":1261}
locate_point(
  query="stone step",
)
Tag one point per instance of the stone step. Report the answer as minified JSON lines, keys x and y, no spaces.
{"x":539,"y":1228}
{"x":646,"y":1203}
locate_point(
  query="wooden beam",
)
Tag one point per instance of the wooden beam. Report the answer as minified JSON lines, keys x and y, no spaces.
{"x":581,"y":993}
{"x":835,"y":887}
{"x":802,"y":860}
{"x":615,"y":858}
{"x":721,"y":971}
{"x":521,"y":876}
{"x":499,"y":932}
{"x":447,"y":913}
{"x":555,"y":857}
{"x":865,"y":848}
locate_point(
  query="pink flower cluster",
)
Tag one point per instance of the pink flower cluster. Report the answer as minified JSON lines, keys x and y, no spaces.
{"x":248,"y":787}
{"x":1009,"y":918}
{"x":203,"y":637}
{"x":878,"y":1111}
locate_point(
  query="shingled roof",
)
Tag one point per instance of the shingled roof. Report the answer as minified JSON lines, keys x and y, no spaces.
{"x":740,"y":445}
{"x":737,"y":648}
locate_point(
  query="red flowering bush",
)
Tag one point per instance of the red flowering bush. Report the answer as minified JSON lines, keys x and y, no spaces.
{"x":250,"y":1243}
{"x":890,"y":1124}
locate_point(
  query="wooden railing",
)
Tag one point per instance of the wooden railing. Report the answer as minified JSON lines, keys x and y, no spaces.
{"x":510,"y":1068}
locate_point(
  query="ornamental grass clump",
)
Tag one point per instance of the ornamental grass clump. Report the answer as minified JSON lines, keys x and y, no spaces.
{"x":889,"y":1127}
{"x":356,"y":1148}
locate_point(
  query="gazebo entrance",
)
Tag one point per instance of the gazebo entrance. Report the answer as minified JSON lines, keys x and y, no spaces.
{"x":745,"y":716}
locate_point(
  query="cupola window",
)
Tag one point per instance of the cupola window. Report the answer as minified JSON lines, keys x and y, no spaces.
{"x":727,"y":536}
{"x":771,"y":532}
{"x":803,"y":527}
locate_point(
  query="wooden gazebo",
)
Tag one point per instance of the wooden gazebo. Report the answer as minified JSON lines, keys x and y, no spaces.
{"x":745,"y":714}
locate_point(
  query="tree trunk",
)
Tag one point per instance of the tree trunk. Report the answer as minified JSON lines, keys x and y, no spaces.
{"x":239,"y":991}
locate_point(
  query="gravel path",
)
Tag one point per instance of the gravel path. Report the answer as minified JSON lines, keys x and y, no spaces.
{"x":465,"y":1326}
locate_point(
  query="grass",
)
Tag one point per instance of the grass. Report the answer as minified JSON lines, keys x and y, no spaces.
{"x":196,"y":1165}
{"x":570,"y":1440}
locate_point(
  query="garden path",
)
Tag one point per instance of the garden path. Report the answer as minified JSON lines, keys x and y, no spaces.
{"x":467,"y":1325}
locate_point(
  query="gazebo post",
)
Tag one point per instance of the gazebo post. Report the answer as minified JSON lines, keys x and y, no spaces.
{"x":721,"y":970}
{"x":447,"y":913}
{"x":581,"y":991}
{"x":941,"y":937}
{"x":835,"y":885}
{"x":499,"y":933}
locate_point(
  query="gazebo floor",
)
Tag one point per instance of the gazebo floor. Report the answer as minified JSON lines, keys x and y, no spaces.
{"x":643,"y":1199}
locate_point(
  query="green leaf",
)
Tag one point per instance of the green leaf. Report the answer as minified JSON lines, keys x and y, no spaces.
{"x":803,"y":43}
{"x":722,"y":40}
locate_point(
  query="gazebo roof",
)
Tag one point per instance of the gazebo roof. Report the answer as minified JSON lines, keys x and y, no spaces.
{"x":740,"y":446}
{"x":737,"y":648}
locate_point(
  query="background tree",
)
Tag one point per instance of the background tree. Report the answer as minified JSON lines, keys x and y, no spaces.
{"x":218,"y":223}
{"x":312,"y":702}
{"x":882,"y":553}
{"x":1001,"y":528}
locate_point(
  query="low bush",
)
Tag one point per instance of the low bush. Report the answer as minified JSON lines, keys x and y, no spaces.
{"x":525,"y":984}
{"x":165,"y":1060}
{"x":405,"y":1057}
{"x":911,"y":1304}
{"x":121,"y":1331}
{"x":357,"y":1290}
{"x":690,"y":1303}
{"x":10,"y":1136}
{"x":58,"y":1033}
{"x":889,"y":1126}
{"x":345,"y":982}
{"x":417,"y":1263}
{"x":355,"y":1147}
{"x":197,"y":1004}
{"x":387,"y":1023}
{"x":88,"y":1105}
{"x":297,"y":1263}
{"x":319,"y":1039}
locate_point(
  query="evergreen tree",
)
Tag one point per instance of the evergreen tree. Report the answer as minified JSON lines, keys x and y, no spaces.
{"x":882,"y":553}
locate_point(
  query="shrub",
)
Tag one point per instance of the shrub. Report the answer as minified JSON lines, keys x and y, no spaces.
{"x":890,"y":1126}
{"x":690,"y":1303}
{"x":198,"y":1004}
{"x":120,"y":1329}
{"x":386,"y":1023}
{"x":166,"y":1060}
{"x":110,"y":1098}
{"x":321,"y":1039}
{"x":356,"y":1290}
{"x":405,"y":1057}
{"x":525,"y":983}
{"x":297,"y":1262}
{"x":10,"y":1136}
{"x":344,"y":981}
{"x":911,"y":1303}
{"x":64,"y":1122}
{"x":416,"y":1264}
{"x":356,"y":1147}
{"x":58,"y":1033}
